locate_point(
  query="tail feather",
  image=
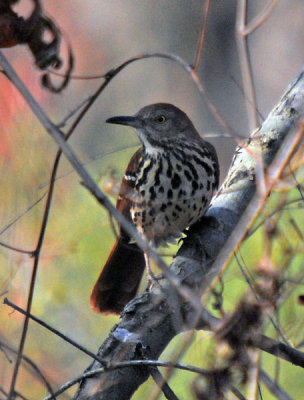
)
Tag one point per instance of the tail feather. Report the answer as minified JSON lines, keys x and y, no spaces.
{"x":119,"y":280}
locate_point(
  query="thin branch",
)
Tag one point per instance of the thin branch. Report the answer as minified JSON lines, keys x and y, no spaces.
{"x":202,"y":37}
{"x":32,"y":365}
{"x":17,"y":394}
{"x":259,"y":19}
{"x":187,"y":341}
{"x":53,"y":330}
{"x":280,"y":350}
{"x":260,"y":224}
{"x":163,"y":385}
{"x":92,"y":158}
{"x":262,"y":342}
{"x":8,"y":226}
{"x":249,"y":280}
{"x":237,"y":393}
{"x":273,"y":387}
{"x":125,"y":364}
{"x":63,"y":122}
{"x":29,"y":301}
{"x":31,"y":253}
{"x":245,"y":65}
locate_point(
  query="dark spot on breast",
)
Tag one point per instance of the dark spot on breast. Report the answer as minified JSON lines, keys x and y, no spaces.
{"x":163,"y":207}
{"x":170,"y":194}
{"x":176,"y":181}
{"x":204,"y":200}
{"x":188,"y":175}
{"x":161,"y":189}
{"x":152,"y":192}
{"x":208,"y":185}
{"x":143,"y":192}
{"x":152,"y":212}
{"x":194,"y":185}
{"x":178,"y":208}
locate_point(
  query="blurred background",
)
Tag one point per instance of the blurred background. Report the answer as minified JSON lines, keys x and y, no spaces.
{"x":103,"y":34}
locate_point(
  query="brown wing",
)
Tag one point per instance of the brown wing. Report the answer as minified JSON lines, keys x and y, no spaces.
{"x":126,"y":191}
{"x":119,"y":280}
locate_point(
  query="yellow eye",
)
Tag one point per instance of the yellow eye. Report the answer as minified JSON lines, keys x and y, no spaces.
{"x":160,"y":119}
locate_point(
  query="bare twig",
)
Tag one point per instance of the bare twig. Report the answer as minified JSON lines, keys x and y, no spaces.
{"x":124,"y":364}
{"x":162,"y":383}
{"x":32,"y":365}
{"x":187,"y":341}
{"x":259,"y":19}
{"x":17,"y":394}
{"x":63,"y":122}
{"x":246,"y":69}
{"x":8,"y":226}
{"x":273,"y":387}
{"x":55,"y":331}
{"x":202,"y":37}
{"x":280,"y":350}
{"x":237,"y":394}
{"x":7,"y":246}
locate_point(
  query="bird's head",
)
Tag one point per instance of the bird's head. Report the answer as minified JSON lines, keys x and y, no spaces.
{"x":159,"y":124}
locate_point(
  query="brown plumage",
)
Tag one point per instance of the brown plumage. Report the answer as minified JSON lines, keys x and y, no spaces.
{"x":168,"y":185}
{"x":119,"y":280}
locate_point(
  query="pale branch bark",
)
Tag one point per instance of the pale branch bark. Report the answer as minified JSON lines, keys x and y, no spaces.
{"x":150,"y":321}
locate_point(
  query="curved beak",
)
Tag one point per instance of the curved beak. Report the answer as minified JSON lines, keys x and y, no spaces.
{"x":123,"y":120}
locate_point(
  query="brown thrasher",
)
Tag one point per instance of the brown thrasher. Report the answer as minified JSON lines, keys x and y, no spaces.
{"x":168,"y":185}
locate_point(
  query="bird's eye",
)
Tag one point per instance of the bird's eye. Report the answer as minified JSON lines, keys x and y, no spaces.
{"x":160,"y":119}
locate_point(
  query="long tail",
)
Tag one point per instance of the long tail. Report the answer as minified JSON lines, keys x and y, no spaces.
{"x":119,"y":280}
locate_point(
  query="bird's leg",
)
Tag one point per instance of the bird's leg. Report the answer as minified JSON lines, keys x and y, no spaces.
{"x":150,"y":274}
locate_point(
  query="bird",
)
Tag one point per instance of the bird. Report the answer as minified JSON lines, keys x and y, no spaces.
{"x":167,"y":187}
